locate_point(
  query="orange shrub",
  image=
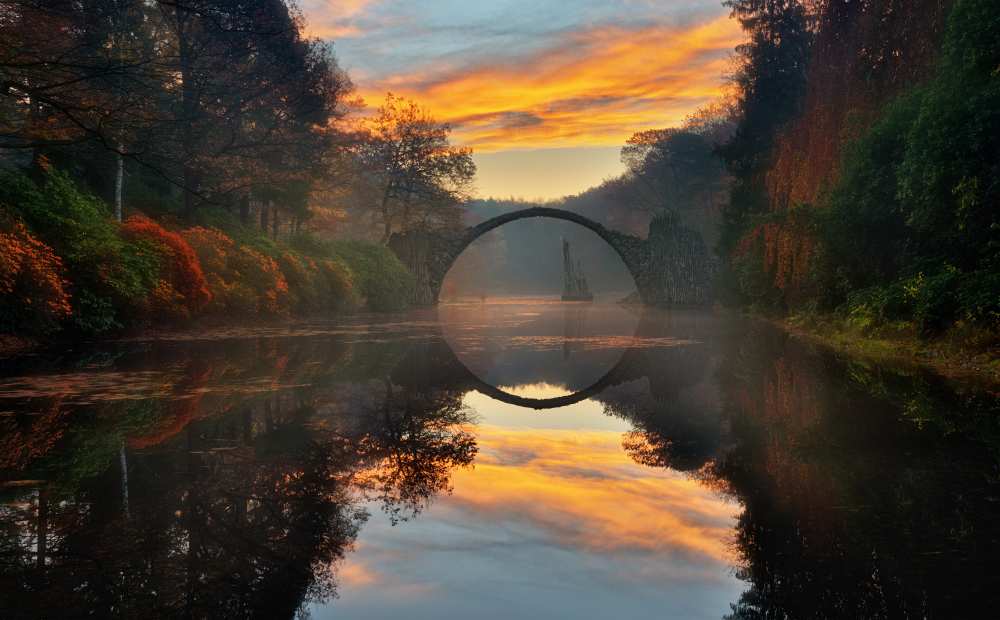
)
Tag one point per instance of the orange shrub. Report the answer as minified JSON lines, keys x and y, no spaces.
{"x":212,"y":246}
{"x":261,"y":274}
{"x":243,"y":280}
{"x":300,"y":273}
{"x":33,"y":289}
{"x":183,"y":289}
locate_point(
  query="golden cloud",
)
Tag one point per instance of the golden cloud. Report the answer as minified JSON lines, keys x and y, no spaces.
{"x":333,"y":19}
{"x":590,"y":88}
{"x":581,"y":488}
{"x":568,"y":488}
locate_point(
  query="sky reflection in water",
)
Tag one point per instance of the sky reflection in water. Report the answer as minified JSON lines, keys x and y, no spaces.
{"x":555,"y":518}
{"x":702,"y":466}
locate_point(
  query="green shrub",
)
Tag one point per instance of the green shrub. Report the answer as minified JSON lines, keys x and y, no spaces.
{"x":336,"y":285}
{"x":931,"y":301}
{"x":978,"y":296}
{"x":110,"y":276}
{"x":377,"y":276}
{"x":382,"y":280}
{"x":317,"y":286}
{"x":302,"y":292}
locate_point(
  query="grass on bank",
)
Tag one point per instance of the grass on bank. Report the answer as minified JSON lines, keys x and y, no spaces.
{"x":963,"y":351}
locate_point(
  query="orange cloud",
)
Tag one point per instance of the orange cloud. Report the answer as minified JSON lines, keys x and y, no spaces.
{"x":333,"y":19}
{"x":581,"y":488}
{"x":355,"y":574}
{"x":590,"y":88}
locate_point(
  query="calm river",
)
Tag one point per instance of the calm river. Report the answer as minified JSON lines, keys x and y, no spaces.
{"x":526,"y":459}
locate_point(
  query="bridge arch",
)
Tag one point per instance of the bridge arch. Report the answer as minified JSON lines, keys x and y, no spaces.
{"x":438,"y":253}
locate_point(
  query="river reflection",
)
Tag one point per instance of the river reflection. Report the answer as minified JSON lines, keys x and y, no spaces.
{"x":524,"y":459}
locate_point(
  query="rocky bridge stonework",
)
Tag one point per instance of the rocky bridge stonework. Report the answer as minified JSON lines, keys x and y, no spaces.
{"x":671,"y":267}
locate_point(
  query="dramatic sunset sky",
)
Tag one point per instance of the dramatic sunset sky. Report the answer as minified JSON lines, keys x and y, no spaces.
{"x":544,"y":92}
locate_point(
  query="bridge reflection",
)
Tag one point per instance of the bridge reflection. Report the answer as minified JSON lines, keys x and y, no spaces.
{"x":670,"y":351}
{"x":231,"y":478}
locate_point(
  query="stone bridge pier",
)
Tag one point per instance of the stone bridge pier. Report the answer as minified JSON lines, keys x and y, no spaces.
{"x":671,"y":267}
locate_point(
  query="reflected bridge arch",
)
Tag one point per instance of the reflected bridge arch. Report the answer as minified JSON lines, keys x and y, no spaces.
{"x":672,"y":348}
{"x":435,"y":363}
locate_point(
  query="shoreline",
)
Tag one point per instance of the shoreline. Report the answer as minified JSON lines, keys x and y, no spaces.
{"x":947,"y":356}
{"x":943,"y":356}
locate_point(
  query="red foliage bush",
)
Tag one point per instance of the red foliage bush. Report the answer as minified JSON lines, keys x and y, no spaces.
{"x":243,"y":280}
{"x":183,"y":288}
{"x":33,"y":290}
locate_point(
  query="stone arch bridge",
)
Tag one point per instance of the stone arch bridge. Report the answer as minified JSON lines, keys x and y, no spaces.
{"x":671,"y":267}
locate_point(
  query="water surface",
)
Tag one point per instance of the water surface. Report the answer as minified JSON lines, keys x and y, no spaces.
{"x":518,"y":459}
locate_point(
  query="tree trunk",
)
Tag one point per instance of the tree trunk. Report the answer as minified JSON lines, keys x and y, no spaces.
{"x":119,"y":38}
{"x":405,"y":225}
{"x":274,"y":222}
{"x":123,"y":461}
{"x":264,"y":208}
{"x":189,"y":107}
{"x":245,"y":209}
{"x":119,"y":184}
{"x":386,"y":218}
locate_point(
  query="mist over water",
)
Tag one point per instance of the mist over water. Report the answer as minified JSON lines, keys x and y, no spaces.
{"x":524,"y":258}
{"x":513,"y":457}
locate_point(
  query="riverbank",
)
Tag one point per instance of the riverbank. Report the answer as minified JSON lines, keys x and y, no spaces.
{"x":69,"y":270}
{"x":959,"y":354}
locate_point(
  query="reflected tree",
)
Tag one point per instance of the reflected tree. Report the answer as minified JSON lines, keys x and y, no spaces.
{"x":243,"y":496}
{"x":408,"y":449}
{"x":865,"y":493}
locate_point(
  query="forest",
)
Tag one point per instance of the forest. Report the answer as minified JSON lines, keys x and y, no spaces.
{"x":864,"y":167}
{"x":164,"y":161}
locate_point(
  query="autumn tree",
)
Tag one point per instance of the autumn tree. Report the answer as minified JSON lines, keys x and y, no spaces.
{"x":770,"y":81}
{"x":675,"y":169}
{"x":419,"y":177}
{"x":76,"y":74}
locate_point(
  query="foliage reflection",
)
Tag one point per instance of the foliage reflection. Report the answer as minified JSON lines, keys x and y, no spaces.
{"x":239,"y":488}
